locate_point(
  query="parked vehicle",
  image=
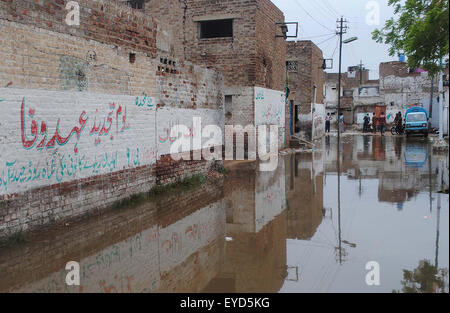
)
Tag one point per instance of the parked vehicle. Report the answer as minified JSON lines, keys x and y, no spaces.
{"x":416,"y":121}
{"x":395,"y":130}
{"x":416,"y":154}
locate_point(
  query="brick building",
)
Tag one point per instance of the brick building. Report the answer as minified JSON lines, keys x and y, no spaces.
{"x":88,"y":109}
{"x":306,"y":79}
{"x":241,"y":39}
{"x":401,"y":88}
{"x":397,"y":89}
{"x":352,"y":81}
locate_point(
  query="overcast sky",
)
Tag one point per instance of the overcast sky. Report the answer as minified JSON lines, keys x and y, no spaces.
{"x":317,"y":22}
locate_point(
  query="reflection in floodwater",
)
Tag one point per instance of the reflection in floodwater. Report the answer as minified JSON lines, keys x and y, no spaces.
{"x":310,"y":226}
{"x":426,"y":278}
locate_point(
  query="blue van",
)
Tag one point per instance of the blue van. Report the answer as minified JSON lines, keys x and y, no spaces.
{"x":416,"y":154}
{"x":416,"y":121}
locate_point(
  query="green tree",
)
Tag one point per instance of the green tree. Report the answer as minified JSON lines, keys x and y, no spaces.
{"x":420,"y":31}
{"x":426,"y":278}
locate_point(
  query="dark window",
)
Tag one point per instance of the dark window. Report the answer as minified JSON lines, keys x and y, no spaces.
{"x":228,"y":105}
{"x":216,"y":29}
{"x":136,"y":4}
{"x":132,"y":58}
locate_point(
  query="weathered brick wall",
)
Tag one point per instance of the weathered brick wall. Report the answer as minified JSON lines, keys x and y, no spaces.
{"x":310,"y":73}
{"x":94,"y":119}
{"x":253,"y":57}
{"x":271,"y":50}
{"x":307,"y":86}
{"x":104,"y":21}
{"x":400,"y":89}
{"x":131,"y":242}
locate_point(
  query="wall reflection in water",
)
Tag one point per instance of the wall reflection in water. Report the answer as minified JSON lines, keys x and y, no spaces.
{"x":250,"y":231}
{"x":174,"y":244}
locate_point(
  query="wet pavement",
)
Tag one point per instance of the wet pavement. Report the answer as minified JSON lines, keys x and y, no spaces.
{"x":310,"y":226}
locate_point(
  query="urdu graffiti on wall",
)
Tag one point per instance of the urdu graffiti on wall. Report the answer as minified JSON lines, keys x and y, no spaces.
{"x":269,"y":107}
{"x":145,"y":101}
{"x":52,"y":137}
{"x":39,"y":134}
{"x":57,"y":167}
{"x":164,"y":135}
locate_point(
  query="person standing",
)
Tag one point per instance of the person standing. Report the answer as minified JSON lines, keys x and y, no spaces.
{"x":374,"y":122}
{"x":328,"y":123}
{"x":382,"y":122}
{"x":366,"y":123}
{"x":400,"y":123}
{"x":342,"y":122}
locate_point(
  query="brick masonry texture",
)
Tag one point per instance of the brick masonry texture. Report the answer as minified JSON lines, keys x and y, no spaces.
{"x":101,"y":20}
{"x":310,"y":73}
{"x":253,"y":57}
{"x":109,"y":72}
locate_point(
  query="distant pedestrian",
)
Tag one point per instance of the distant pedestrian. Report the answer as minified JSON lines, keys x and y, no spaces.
{"x":342,"y":122}
{"x":399,"y":122}
{"x":366,"y":126}
{"x":328,"y":123}
{"x":382,"y":122}
{"x":374,"y":122}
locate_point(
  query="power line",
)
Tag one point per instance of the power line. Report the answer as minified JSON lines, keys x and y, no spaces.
{"x":323,"y":7}
{"x":318,"y":36}
{"x":323,"y":11}
{"x":301,"y":7}
{"x":335,"y":49}
{"x":331,"y":8}
{"x":326,"y":40}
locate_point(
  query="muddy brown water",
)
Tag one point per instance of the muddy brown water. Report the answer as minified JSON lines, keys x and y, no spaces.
{"x":313,"y":225}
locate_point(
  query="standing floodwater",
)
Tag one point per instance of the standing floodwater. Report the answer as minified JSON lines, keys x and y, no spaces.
{"x":311,"y":226}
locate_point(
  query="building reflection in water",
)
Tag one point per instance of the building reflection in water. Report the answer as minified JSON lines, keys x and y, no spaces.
{"x":248,"y":232}
{"x":173,"y":244}
{"x":255,"y":253}
{"x":227,"y":233}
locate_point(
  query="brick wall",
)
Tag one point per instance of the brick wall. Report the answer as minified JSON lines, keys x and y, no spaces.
{"x":94,"y":117}
{"x":400,"y":89}
{"x":307,"y":84}
{"x":310,"y":73}
{"x":253,"y":57}
{"x":103,"y":21}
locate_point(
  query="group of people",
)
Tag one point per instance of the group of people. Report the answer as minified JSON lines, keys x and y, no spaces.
{"x":341,"y":121}
{"x":378,"y":123}
{"x":373,"y":124}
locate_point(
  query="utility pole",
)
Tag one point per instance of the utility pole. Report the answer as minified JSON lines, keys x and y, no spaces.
{"x":341,"y":31}
{"x":360,"y":72}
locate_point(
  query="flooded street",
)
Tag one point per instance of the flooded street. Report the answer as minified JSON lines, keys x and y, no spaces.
{"x":310,"y":226}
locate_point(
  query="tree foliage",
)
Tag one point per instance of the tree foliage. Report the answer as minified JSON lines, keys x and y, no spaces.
{"x":426,"y":278}
{"x":420,"y":31}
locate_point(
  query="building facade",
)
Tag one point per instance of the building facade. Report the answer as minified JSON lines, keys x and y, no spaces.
{"x":242,"y":40}
{"x":306,"y":79}
{"x":88,"y":109}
